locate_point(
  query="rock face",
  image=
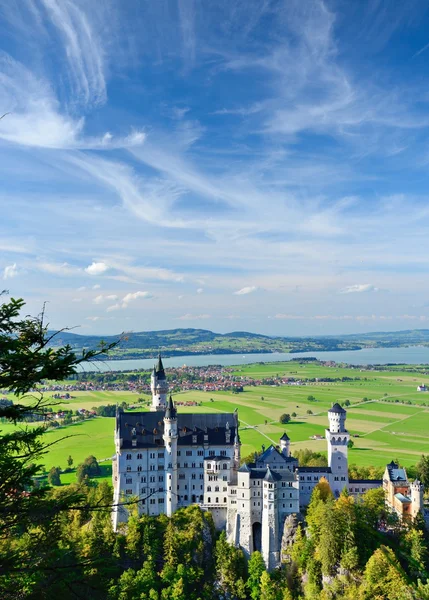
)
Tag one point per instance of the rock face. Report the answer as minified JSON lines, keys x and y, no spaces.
{"x":288,"y":537}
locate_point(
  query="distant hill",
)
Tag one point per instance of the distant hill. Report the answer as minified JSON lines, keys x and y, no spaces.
{"x":178,"y":342}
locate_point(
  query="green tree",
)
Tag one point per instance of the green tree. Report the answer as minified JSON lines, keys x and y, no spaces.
{"x":69,"y":462}
{"x":384,"y":578}
{"x":422,"y":468}
{"x":285,"y":418}
{"x":256,"y":567}
{"x":230,"y":569}
{"x":350,"y":444}
{"x":89,"y":468}
{"x":26,"y":360}
{"x":311,"y":398}
{"x":54,"y":476}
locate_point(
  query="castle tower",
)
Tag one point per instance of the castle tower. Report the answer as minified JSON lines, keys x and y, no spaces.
{"x":337,"y":438}
{"x":170,"y":466}
{"x":270,"y":527}
{"x":159,"y":387}
{"x":416,"y":489}
{"x":285,"y":445}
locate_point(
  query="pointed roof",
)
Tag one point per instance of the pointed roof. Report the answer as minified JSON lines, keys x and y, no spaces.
{"x":271,"y":476}
{"x":160,"y":373}
{"x":336,"y":409}
{"x":244,"y":468}
{"x":171,"y":411}
{"x":285,"y":437}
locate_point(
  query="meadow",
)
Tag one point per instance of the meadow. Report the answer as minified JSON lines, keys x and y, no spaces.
{"x":382,"y":430}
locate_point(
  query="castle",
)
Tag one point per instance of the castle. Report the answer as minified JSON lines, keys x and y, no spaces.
{"x":170,"y":460}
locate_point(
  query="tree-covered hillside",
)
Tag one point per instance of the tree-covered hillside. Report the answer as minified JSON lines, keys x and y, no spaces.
{"x":179,"y":342}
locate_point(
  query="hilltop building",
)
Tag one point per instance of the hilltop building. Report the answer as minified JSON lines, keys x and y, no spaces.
{"x":170,"y":460}
{"x":403,"y":497}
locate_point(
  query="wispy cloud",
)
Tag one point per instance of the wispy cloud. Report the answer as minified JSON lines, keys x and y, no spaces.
{"x":10,"y":271}
{"x":246,"y":290}
{"x":97,"y":268}
{"x":190,"y":317}
{"x":359,"y":288}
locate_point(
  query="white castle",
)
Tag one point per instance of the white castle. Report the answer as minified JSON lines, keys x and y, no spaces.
{"x":170,"y":460}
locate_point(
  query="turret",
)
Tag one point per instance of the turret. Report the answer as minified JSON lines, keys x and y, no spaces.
{"x":337,"y":438}
{"x":416,"y":492}
{"x":285,"y":445}
{"x":170,"y":466}
{"x":237,"y":442}
{"x":337,"y":419}
{"x":159,"y":386}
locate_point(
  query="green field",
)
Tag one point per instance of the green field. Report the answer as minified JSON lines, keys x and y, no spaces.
{"x":386,"y":430}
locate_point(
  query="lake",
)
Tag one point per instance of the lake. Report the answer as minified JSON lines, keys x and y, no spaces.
{"x":411,"y":355}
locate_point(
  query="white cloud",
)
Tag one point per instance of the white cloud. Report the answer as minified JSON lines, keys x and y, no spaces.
{"x":92,"y":318}
{"x":58,"y":268}
{"x":10,"y":271}
{"x":200,"y":290}
{"x":246,"y":290}
{"x":81,"y":289}
{"x":131,"y":297}
{"x":97,"y":268}
{"x":135,"y":296}
{"x":96,"y":286}
{"x":77,"y":300}
{"x":189,"y":317}
{"x":113,"y":307}
{"x":359,"y":288}
{"x":100,"y":299}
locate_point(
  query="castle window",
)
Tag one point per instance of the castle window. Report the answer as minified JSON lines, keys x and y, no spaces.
{"x":201,"y":475}
{"x":143,"y":480}
{"x":129,"y":492}
{"x":152,"y":500}
{"x":193,"y":465}
{"x":128,"y":456}
{"x":179,"y":452}
{"x":128,"y":468}
{"x":209,"y":500}
{"x":152,"y":479}
{"x":223,"y":452}
{"x":224,"y":466}
{"x":217,"y":500}
{"x":209,"y":466}
{"x":211,"y":452}
{"x":290,"y":505}
{"x":152,"y":468}
{"x":193,"y":476}
{"x":243,"y":484}
{"x":139,"y":456}
{"x":200,"y":453}
{"x":160,"y":454}
{"x":209,"y":488}
{"x":181,"y":476}
{"x":161,"y":501}
{"x":224,"y":489}
{"x":152,"y":455}
{"x":188,"y":452}
{"x":185,"y":465}
{"x":217,"y":488}
{"x":143,"y":500}
{"x":225,"y":478}
{"x":290,"y":495}
{"x":128,"y":481}
{"x":290,"y":483}
{"x":161,"y":478}
{"x":242,"y":495}
{"x":139,"y":468}
{"x":201,"y":465}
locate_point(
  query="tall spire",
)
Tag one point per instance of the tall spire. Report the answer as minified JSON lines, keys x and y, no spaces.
{"x":171,"y":411}
{"x":160,"y":373}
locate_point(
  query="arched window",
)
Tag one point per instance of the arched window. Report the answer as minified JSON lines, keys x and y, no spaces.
{"x":209,"y":500}
{"x":209,"y":488}
{"x":217,"y":500}
{"x":224,"y":466}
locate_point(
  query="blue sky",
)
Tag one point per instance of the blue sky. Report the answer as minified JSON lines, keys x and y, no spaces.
{"x":251,"y":165}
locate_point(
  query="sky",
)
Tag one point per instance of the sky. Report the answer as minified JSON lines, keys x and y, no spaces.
{"x":255,"y":165}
